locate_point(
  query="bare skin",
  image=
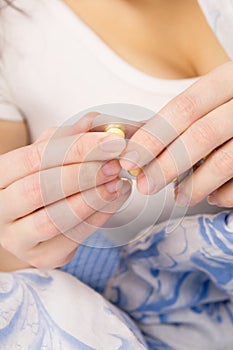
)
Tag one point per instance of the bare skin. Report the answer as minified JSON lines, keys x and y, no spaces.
{"x":12,"y":135}
{"x":167,"y":39}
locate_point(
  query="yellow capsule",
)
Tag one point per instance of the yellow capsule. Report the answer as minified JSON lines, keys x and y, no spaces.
{"x":135,"y":172}
{"x":115,"y":129}
{"x":119,"y":130}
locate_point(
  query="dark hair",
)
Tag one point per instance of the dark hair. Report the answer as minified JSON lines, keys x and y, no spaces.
{"x":4,"y":3}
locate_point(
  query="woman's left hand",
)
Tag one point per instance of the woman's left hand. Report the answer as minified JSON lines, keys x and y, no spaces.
{"x":195,"y":124}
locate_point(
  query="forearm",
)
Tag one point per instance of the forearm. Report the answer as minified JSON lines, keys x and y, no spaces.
{"x":12,"y":135}
{"x":8,"y":262}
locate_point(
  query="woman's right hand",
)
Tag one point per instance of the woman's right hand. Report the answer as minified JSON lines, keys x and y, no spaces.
{"x":57,"y":191}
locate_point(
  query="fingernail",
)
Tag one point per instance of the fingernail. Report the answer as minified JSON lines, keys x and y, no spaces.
{"x":212,"y":200}
{"x":147,"y":185}
{"x":111,"y":168}
{"x":113,"y":146}
{"x":129,"y":160}
{"x":125,"y":187}
{"x":182,"y":200}
{"x":113,"y":186}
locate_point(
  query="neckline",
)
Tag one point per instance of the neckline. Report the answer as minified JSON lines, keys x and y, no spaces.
{"x":114,"y":62}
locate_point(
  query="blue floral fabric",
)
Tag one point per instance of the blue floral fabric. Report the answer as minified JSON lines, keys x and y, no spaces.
{"x":178,"y":286}
{"x":167,"y":290}
{"x":54,"y":311}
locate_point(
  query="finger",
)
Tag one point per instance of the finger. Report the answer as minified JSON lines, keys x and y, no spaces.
{"x":85,"y":124}
{"x":72,"y":149}
{"x":59,"y":217}
{"x":194,"y":144}
{"x":223,"y":196}
{"x":51,"y":254}
{"x":212,"y":174}
{"x":203,"y":96}
{"x":47,"y":134}
{"x":49,"y":186}
{"x":81,"y":126}
{"x":59,"y":250}
{"x":128,"y":126}
{"x":82,"y":231}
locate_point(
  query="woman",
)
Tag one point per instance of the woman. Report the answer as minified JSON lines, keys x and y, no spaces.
{"x":62,"y":57}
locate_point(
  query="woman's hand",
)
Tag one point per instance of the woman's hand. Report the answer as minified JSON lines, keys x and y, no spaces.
{"x":196,"y":124}
{"x":57,"y":191}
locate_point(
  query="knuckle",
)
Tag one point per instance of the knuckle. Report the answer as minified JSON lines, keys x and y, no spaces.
{"x":151,"y":145}
{"x":9,"y":243}
{"x":32,"y":158}
{"x":186,"y":106}
{"x":63,"y":261}
{"x":165,"y":172}
{"x":222,"y":162}
{"x":31,"y":191}
{"x":6,"y":242}
{"x":6,"y":237}
{"x":79,"y":148}
{"x":85,"y":177}
{"x":203,"y":134}
{"x":154,"y":141}
{"x":40,"y":258}
{"x":39,"y":261}
{"x":44,"y":225}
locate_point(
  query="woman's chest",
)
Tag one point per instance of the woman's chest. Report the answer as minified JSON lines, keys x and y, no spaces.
{"x":165,"y":39}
